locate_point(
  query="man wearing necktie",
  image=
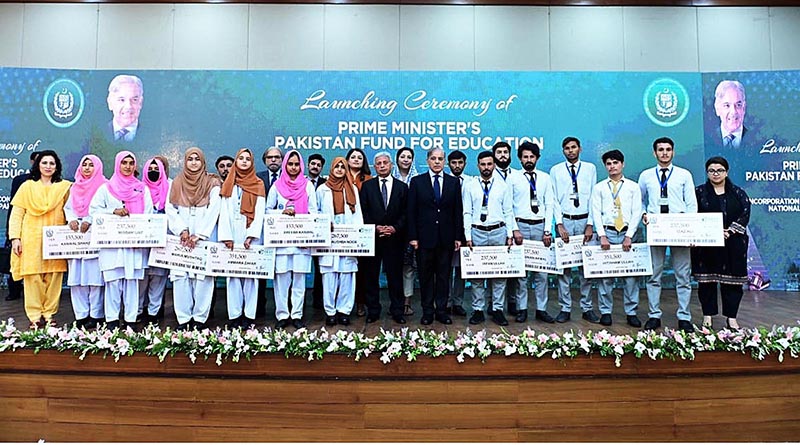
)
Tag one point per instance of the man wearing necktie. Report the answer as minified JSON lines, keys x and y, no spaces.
{"x":384,"y":203}
{"x":617,"y":209}
{"x":730,"y":105}
{"x":488,"y":221}
{"x":272,"y":158}
{"x":573,"y":182}
{"x":457,"y":161}
{"x":125,"y":100}
{"x":533,"y":205}
{"x":666,"y":188}
{"x":435,"y":230}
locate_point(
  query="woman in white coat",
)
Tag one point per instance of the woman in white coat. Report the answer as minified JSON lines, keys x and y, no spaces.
{"x":292,"y":194}
{"x":154,"y":283}
{"x":338,"y":197}
{"x":84,"y":279}
{"x":122,"y":268}
{"x":193,"y":210}
{"x":241,"y":220}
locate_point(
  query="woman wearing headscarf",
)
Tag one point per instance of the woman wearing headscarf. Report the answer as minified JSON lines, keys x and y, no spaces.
{"x":154,"y":283}
{"x":359,"y":171}
{"x":122,"y":267}
{"x":84,"y":278}
{"x":338,"y":197}
{"x":292,"y":194}
{"x":193,"y":210}
{"x":722,"y":267}
{"x":241,"y":221}
{"x":39,"y":202}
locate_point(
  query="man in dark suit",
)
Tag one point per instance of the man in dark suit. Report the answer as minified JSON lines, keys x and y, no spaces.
{"x":435,"y":230}
{"x":272,"y":158}
{"x":730,"y":105}
{"x":125,"y":100}
{"x":15,"y":287}
{"x":315,"y":164}
{"x":384,"y":203}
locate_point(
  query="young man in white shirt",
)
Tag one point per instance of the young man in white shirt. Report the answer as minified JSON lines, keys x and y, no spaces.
{"x":573,"y":181}
{"x":617,"y":211}
{"x":668,"y":189}
{"x":533,"y":199}
{"x":488,"y":221}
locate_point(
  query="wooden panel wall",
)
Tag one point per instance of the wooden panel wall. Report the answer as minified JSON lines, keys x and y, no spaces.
{"x":131,"y":408}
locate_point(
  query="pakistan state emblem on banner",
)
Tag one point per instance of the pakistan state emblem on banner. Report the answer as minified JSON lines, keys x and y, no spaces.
{"x":666,"y":102}
{"x":63,"y":103}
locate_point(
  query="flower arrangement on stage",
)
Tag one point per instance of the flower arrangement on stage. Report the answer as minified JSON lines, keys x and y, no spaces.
{"x":224,"y":344}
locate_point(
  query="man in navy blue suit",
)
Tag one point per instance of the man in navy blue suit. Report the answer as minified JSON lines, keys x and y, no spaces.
{"x":435,"y":230}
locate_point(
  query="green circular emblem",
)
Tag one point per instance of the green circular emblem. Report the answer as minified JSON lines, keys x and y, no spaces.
{"x":666,"y":102}
{"x":63,"y":103}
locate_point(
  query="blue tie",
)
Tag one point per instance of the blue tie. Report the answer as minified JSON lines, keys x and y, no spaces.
{"x":437,"y":189}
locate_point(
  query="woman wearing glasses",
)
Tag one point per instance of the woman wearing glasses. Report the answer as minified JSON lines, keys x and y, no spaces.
{"x":724,"y":266}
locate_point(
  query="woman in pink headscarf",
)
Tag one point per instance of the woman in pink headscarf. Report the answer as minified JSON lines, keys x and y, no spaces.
{"x":154,"y":283}
{"x":292,"y":194}
{"x":122,"y":268}
{"x":84,"y":279}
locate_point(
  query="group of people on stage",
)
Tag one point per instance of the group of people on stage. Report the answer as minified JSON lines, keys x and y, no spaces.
{"x":421,"y":221}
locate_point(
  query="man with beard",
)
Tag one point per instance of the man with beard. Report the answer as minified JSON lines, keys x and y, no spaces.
{"x":533,"y":200}
{"x":573,"y":182}
{"x":501,"y":151}
{"x":224,"y":164}
{"x":457,"y":161}
{"x":488,"y":221}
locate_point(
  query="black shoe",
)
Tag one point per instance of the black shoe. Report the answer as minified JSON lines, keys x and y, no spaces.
{"x":634,"y":321}
{"x":81,"y":323}
{"x":371,"y":318}
{"x":330,"y":320}
{"x":605,"y":320}
{"x":247,"y":322}
{"x":477,"y":318}
{"x":444,"y":319}
{"x":111,"y":325}
{"x":591,"y":317}
{"x":522,"y":316}
{"x":545,"y":317}
{"x":92,"y":323}
{"x":343,"y":319}
{"x":298,"y":323}
{"x":499,"y":318}
{"x":183,"y":327}
{"x":563,"y":317}
{"x":10,"y":297}
{"x":652,"y":323}
{"x":281,"y":324}
{"x":512,"y":308}
{"x":199,"y":325}
{"x":426,"y":320}
{"x":399,"y":319}
{"x":685,"y":326}
{"x":459,"y":310}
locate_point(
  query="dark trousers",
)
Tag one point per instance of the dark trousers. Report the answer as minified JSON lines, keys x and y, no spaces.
{"x":731,"y":297}
{"x":433,"y":267}
{"x":14,"y":288}
{"x":316,"y":292}
{"x":261,"y":299}
{"x":386,"y":254}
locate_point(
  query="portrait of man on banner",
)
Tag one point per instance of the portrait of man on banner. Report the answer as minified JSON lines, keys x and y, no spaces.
{"x":730,"y":106}
{"x":125,"y":100}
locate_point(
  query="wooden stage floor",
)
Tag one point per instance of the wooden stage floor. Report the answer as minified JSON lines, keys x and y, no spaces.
{"x":763,"y":308}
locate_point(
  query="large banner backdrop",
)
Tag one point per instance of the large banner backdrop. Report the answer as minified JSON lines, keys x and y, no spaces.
{"x":326,"y":112}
